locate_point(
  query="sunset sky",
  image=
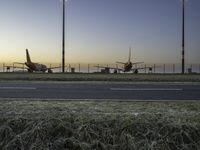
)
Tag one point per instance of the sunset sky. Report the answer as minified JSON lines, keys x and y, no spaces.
{"x":99,"y":31}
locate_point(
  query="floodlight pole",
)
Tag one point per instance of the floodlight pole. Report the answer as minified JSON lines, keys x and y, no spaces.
{"x":63,"y":39}
{"x":183,"y":36}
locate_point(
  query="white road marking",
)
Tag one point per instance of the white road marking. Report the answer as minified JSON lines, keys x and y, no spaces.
{"x":18,"y":88}
{"x":145,"y":89}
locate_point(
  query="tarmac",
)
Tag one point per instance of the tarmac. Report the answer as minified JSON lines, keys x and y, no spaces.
{"x":109,"y":91}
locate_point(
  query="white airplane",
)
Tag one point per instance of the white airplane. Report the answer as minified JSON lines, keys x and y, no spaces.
{"x":127,"y":66}
{"x":33,"y":67}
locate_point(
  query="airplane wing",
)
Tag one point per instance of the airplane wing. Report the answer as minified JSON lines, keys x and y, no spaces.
{"x":120,"y":62}
{"x":21,"y":67}
{"x":53,"y":67}
{"x":9,"y":67}
{"x":138,"y":68}
{"x":105,"y":67}
{"x":50,"y":69}
{"x":135,"y":70}
{"x":137,"y":63}
{"x":132,"y":63}
{"x":19,"y":63}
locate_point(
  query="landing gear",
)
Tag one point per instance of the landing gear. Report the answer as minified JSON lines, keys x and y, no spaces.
{"x":135,"y":71}
{"x":30,"y":71}
{"x":115,"y":71}
{"x":50,"y":71}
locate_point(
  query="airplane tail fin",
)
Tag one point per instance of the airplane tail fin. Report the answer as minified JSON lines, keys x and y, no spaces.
{"x":129,"y":58}
{"x":28,"y":59}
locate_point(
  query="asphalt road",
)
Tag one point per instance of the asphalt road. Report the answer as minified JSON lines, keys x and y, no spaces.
{"x":101,"y":90}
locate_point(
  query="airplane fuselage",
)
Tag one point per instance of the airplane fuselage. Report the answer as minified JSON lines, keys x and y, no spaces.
{"x":36,"y":67}
{"x":127,"y":66}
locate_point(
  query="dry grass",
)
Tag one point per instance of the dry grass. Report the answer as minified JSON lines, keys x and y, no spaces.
{"x":100,"y":77}
{"x":72,"y":125}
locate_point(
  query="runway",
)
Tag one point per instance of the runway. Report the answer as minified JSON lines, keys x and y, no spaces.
{"x":101,"y":90}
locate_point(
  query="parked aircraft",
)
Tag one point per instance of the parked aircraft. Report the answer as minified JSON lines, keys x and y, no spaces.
{"x":127,"y":66}
{"x":33,"y":67}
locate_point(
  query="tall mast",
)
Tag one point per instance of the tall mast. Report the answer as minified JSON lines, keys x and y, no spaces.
{"x":183,"y":36}
{"x":63,"y":39}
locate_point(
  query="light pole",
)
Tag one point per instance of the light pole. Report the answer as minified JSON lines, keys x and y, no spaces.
{"x":183,"y":36}
{"x":63,"y":39}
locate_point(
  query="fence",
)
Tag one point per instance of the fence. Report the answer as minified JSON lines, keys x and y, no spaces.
{"x":91,"y":68}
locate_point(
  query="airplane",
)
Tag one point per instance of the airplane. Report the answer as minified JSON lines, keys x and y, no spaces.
{"x":127,"y":66}
{"x":33,"y":67}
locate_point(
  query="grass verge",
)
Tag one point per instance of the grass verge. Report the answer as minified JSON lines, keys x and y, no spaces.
{"x":86,"y":125}
{"x":100,"y":77}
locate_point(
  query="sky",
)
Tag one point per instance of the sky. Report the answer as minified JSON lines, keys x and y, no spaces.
{"x":99,"y":31}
